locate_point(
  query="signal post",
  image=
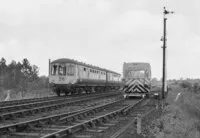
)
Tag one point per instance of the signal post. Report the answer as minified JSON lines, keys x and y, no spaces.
{"x":164,"y":39}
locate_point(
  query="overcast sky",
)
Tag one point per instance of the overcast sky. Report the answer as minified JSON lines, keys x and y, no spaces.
{"x":104,"y":33}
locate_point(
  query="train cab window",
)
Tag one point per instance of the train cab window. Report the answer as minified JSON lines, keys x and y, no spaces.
{"x":70,"y":70}
{"x":62,"y":70}
{"x":53,"y":69}
{"x":84,"y":69}
{"x":136,"y":74}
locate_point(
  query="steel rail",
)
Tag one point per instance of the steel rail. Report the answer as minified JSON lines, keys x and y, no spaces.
{"x":23,"y":113}
{"x":77,"y":127}
{"x":28,"y":100}
{"x":50,"y":119}
{"x":31,"y":100}
{"x":123,"y":129}
{"x":36,"y":104}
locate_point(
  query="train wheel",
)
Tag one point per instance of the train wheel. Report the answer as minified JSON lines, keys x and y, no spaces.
{"x":66,"y":93}
{"x":80,"y":90}
{"x":88,"y":90}
{"x":98,"y":89}
{"x":58,"y":92}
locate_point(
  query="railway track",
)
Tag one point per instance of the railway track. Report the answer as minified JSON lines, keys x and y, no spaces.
{"x":26,"y":101}
{"x":39,"y":103}
{"x":68,"y":124}
{"x":128,"y":124}
{"x":32,"y":100}
{"x":14,"y":115}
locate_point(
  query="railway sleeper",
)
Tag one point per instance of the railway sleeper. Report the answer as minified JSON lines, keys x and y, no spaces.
{"x":82,"y":136}
{"x":38,"y":123}
{"x":29,"y":112}
{"x":94,"y":130}
{"x":27,"y":134}
{"x":45,"y":129}
{"x":97,"y":126}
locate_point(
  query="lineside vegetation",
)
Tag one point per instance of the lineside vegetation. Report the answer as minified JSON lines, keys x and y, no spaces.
{"x":20,"y":77}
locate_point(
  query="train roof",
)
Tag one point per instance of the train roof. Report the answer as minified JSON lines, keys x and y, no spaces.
{"x":67,"y":60}
{"x":136,"y":66}
{"x":138,"y":63}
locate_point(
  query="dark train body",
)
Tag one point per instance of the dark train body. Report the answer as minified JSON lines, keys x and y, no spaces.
{"x":72,"y":77}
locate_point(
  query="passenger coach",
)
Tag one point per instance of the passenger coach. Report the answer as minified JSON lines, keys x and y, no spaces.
{"x":72,"y":77}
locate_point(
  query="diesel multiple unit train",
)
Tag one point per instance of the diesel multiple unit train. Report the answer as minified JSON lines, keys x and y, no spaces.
{"x":136,"y":79}
{"x":73,"y":77}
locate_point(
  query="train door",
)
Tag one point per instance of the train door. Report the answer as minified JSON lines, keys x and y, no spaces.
{"x":88,"y":73}
{"x":84,"y":70}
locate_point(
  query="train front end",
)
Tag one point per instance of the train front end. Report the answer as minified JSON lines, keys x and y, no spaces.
{"x":136,"y":80}
{"x":62,"y":76}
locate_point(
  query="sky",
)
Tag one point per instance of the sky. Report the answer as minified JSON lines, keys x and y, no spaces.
{"x":104,"y":33}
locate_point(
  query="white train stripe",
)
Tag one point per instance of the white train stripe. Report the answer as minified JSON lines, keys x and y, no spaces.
{"x":134,"y":85}
{"x":142,"y":88}
{"x":136,"y":82}
{"x":136,"y":90}
{"x":128,"y":83}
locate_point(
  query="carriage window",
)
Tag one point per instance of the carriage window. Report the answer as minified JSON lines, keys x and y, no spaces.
{"x":136,"y":74}
{"x":70,"y":70}
{"x":84,"y":69}
{"x":53,"y":70}
{"x":62,"y":70}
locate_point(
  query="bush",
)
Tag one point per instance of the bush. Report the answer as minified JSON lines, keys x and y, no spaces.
{"x":185,"y":84}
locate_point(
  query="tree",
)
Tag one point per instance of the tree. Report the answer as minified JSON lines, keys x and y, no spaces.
{"x":11,"y":80}
{"x":3,"y":69}
{"x":3,"y":66}
{"x":34,"y":73}
{"x":19,"y":76}
{"x":26,"y":68}
{"x":3,"y":62}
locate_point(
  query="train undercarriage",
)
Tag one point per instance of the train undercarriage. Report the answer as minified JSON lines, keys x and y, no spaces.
{"x":81,"y":89}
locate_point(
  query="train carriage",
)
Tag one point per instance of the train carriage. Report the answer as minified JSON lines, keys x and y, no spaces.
{"x":72,"y":77}
{"x":136,"y":79}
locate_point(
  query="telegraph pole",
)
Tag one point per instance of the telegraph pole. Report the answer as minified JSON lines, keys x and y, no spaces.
{"x":49,"y":74}
{"x":164,"y":39}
